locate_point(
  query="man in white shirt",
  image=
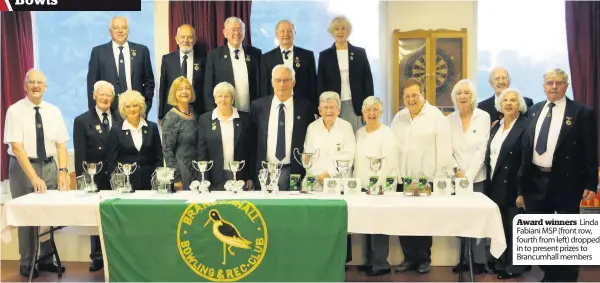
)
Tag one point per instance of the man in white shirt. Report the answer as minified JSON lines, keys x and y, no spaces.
{"x":425,"y":147}
{"x":36,"y":134}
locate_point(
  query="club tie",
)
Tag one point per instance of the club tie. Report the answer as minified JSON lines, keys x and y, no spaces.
{"x":184,"y":66}
{"x":105,"y":121}
{"x":39,"y":135}
{"x":122,"y":76}
{"x":286,"y":53}
{"x":280,"y":149}
{"x":542,"y":142}
{"x":237,"y":55}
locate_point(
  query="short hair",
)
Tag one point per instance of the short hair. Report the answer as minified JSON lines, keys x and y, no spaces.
{"x":232,"y":20}
{"x":522,"y":105}
{"x":285,"y":21}
{"x":283,"y":67}
{"x":491,"y":75}
{"x":132,"y":96}
{"x":472,"y":89}
{"x":189,"y":26}
{"x":414,"y":81}
{"x":557,"y":72}
{"x":104,"y":85}
{"x":330,"y":95}
{"x":224,"y":87}
{"x":172,"y":98}
{"x":372,"y":101}
{"x":118,"y":17}
{"x":340,"y":20}
{"x":33,"y":70}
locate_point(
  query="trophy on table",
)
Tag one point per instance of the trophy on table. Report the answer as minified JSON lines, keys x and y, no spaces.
{"x":274,"y":170}
{"x":161,"y":179}
{"x":83,"y":183}
{"x":263,"y":176}
{"x":118,"y":181}
{"x":306,"y":160}
{"x":92,"y":169}
{"x":127,"y":169}
{"x":203,"y":167}
{"x":375,"y":164}
{"x":234,"y":185}
{"x":343,"y":167}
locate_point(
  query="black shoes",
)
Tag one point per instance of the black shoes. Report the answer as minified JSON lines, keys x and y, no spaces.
{"x":24,"y":270}
{"x":379,"y":272}
{"x":50,"y":267}
{"x":507,"y":275}
{"x":96,"y":265}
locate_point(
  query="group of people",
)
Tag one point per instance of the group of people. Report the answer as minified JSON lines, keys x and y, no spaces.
{"x":236,"y":104}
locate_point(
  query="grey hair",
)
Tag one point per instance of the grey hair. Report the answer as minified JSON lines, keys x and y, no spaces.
{"x":330,"y":95}
{"x":557,"y":72}
{"x":116,"y":17}
{"x":340,"y":20}
{"x":132,"y":95}
{"x":284,"y":67}
{"x":232,"y":20}
{"x":372,"y":101}
{"x":468,"y":84}
{"x":104,"y":85}
{"x":285,"y":21}
{"x":491,"y":76}
{"x":31,"y":71}
{"x":224,"y":87}
{"x":522,"y":105}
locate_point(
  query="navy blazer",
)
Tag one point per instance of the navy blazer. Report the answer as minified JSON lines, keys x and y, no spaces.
{"x":361,"y":78}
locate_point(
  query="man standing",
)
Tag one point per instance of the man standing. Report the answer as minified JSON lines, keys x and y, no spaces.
{"x":425,"y":147}
{"x":236,"y":64}
{"x":35,"y":133}
{"x":126,"y":65}
{"x":90,"y":135}
{"x":187,"y":61}
{"x":559,"y":165}
{"x":280,"y":123}
{"x":300,"y":59}
{"x":499,"y":80}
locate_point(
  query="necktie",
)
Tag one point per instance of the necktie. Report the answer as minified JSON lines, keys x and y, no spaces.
{"x":237,"y":51}
{"x":122,"y":77}
{"x":184,"y":66}
{"x":542,"y":142}
{"x":39,"y":135}
{"x":280,"y":149}
{"x":105,"y":121}
{"x":285,"y":54}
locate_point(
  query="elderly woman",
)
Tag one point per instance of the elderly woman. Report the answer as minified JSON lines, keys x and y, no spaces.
{"x":469,"y":130}
{"x":180,"y":132}
{"x":378,"y":141}
{"x":224,"y":135}
{"x":344,"y":69}
{"x":135,"y":140}
{"x":503,"y":160}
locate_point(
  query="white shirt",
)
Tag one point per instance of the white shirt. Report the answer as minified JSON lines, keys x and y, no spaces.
{"x":19,"y":127}
{"x":109,"y":116}
{"x":290,"y":60}
{"x":344,"y":65}
{"x":136,"y":133}
{"x":127,"y":57}
{"x":227,"y":136}
{"x":379,"y":143}
{"x":335,"y":144}
{"x":272,"y":129}
{"x":496,"y":144}
{"x":558,"y":113}
{"x":428,"y":133}
{"x":470,"y":146}
{"x":240,"y":76}
{"x":190,"y":64}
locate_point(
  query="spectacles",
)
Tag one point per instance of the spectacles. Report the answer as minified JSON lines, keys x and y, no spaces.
{"x":285,"y":81}
{"x":557,"y":83}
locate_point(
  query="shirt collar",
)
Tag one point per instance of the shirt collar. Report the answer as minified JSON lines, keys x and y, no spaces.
{"x":334,"y":126}
{"x":31,"y":105}
{"x":291,"y":49}
{"x":190,"y":55}
{"x":234,"y":115}
{"x":231,"y":48}
{"x":128,"y":126}
{"x":99,"y":112}
{"x":560,"y":102}
{"x":116,"y":45}
{"x":287,"y":103}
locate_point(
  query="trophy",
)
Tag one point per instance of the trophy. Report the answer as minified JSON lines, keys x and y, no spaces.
{"x":263,"y":175}
{"x":306,"y":160}
{"x":83,"y":183}
{"x":274,"y":170}
{"x":234,"y":185}
{"x":161,"y":179}
{"x":127,"y":169}
{"x":343,"y":167}
{"x":294,"y":180}
{"x":92,"y":169}
{"x":203,"y":167}
{"x":118,"y":182}
{"x":375,"y":164}
{"x":389,"y":184}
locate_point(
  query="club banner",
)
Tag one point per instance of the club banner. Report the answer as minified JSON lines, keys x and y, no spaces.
{"x":70,"y":5}
{"x":229,"y":240}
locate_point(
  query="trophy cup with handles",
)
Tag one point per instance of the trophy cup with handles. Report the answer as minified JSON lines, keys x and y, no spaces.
{"x":274,"y":170}
{"x":203,"y":167}
{"x":92,"y":169}
{"x":127,"y":169}
{"x":234,"y":185}
{"x":343,"y":167}
{"x":161,"y":179}
{"x":375,"y":164}
{"x":306,"y":160}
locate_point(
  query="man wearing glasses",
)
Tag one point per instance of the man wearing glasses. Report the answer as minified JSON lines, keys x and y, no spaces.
{"x":499,"y":80}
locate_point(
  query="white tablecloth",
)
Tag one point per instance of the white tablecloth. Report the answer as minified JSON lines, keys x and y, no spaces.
{"x":472,"y":215}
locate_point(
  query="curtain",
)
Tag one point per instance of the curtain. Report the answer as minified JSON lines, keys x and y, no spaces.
{"x":583,"y":42}
{"x":208,"y":18}
{"x":17,"y":59}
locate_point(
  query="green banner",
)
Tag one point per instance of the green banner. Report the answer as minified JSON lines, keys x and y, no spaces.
{"x":226,"y":240}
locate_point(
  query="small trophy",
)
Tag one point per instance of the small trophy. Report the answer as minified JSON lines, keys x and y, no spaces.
{"x":343,"y":167}
{"x":294,"y":180}
{"x":118,"y":182}
{"x":83,"y":183}
{"x":234,"y":185}
{"x":161,"y":179}
{"x":306,"y":160}
{"x":442,"y":183}
{"x":389,"y":184}
{"x":92,"y":169}
{"x":263,"y":176}
{"x":375,"y":164}
{"x":203,"y":167}
{"x":274,"y":170}
{"x":127,"y":169}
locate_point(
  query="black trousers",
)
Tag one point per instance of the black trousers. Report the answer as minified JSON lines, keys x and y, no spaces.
{"x":506,"y":259}
{"x":95,"y":248}
{"x":348,"y":249}
{"x":416,"y":249}
{"x":541,"y":180}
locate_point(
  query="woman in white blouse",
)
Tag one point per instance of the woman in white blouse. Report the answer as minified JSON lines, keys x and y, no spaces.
{"x":377,"y":141}
{"x":470,"y":131}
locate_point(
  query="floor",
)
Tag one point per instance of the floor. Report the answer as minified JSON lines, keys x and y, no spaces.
{"x":78,"y":272}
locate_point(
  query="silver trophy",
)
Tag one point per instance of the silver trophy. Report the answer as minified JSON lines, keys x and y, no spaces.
{"x":118,"y":182}
{"x":274,"y":169}
{"x":92,"y":169}
{"x":343,"y":167}
{"x":306,"y":160}
{"x":234,"y":185}
{"x":263,"y":176}
{"x":161,"y":179}
{"x":127,"y":169}
{"x":375,"y":164}
{"x":203,"y":167}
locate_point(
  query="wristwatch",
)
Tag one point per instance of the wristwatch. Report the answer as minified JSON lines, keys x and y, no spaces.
{"x":65,"y":170}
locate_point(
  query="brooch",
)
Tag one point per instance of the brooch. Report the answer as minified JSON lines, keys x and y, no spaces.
{"x":351,"y":55}
{"x":248,"y":58}
{"x":214,"y":126}
{"x":133,"y":52}
{"x":225,"y":56}
{"x":568,"y":122}
{"x":196,"y":67}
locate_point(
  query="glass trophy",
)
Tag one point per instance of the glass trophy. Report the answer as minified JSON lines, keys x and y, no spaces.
{"x":83,"y":183}
{"x":127,"y":169}
{"x":294,"y":181}
{"x":375,"y":164}
{"x":274,"y":170}
{"x":118,"y":182}
{"x":263,"y":176}
{"x":343,"y":167}
{"x":162,"y":178}
{"x":234,"y":185}
{"x":306,"y":160}
{"x":203,"y":167}
{"x":389,"y":184}
{"x":92,"y":169}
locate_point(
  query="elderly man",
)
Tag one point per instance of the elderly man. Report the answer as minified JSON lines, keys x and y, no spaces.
{"x":300,"y":59}
{"x":126,"y":65}
{"x":559,"y":165}
{"x":36,"y":134}
{"x":499,"y":80}
{"x":236,"y":64}
{"x":187,"y":61}
{"x":90,"y":135}
{"x":280,"y":123}
{"x":425,"y":145}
